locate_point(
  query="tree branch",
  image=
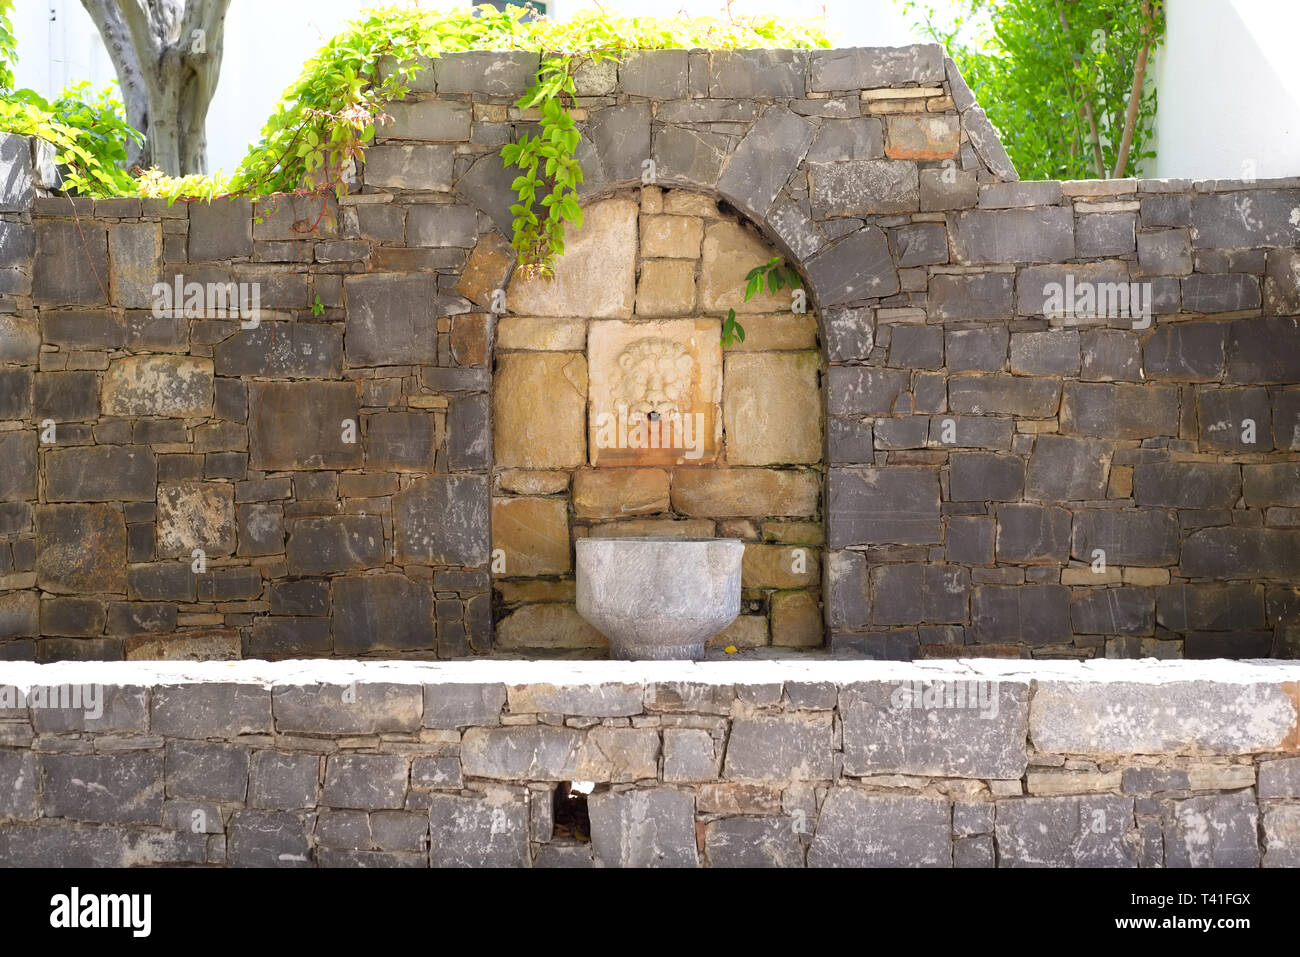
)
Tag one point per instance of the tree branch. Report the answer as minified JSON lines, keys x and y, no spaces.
{"x":1135,"y":95}
{"x":134,"y":79}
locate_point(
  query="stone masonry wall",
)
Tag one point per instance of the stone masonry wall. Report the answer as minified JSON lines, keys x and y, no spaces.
{"x":727,"y":764}
{"x":1002,"y":477}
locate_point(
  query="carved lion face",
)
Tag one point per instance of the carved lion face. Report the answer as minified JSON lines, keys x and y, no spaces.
{"x":656,"y":377}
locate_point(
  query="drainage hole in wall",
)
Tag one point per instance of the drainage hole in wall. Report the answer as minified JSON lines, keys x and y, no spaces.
{"x":571,"y":818}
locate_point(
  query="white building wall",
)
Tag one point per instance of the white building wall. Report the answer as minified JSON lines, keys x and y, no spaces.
{"x":1229,"y":86}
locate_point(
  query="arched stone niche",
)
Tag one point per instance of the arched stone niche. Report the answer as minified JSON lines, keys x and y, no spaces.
{"x":616,"y":410}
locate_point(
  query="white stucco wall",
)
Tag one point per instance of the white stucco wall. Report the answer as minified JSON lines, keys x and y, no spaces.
{"x":1229,"y":86}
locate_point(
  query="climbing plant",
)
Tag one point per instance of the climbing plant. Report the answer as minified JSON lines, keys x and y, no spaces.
{"x":87,"y":127}
{"x":319,"y":129}
{"x":775,"y":275}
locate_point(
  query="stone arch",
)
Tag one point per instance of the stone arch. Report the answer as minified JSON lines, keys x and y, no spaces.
{"x":655,"y":267}
{"x":849,"y":191}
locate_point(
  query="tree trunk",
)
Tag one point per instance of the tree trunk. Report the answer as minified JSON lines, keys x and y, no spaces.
{"x":168,"y":56}
{"x":1135,"y":95}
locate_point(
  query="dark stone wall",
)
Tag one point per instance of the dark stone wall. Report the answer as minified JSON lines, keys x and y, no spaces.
{"x":1004,"y":477}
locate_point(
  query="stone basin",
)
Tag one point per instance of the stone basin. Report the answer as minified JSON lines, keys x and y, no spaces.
{"x":659,"y":598}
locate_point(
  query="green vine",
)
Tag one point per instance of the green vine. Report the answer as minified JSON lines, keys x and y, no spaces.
{"x":324,"y":121}
{"x":547,"y":163}
{"x":776,"y":275}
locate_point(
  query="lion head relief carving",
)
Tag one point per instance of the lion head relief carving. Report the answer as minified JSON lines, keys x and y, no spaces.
{"x":655,"y":377}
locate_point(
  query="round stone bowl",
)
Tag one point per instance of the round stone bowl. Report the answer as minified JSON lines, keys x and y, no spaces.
{"x":659,"y":598}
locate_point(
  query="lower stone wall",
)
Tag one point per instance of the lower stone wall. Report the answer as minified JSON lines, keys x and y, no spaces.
{"x":789,"y":763}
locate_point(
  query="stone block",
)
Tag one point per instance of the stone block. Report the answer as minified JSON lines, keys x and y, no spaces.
{"x":1064,"y":468}
{"x":1119,"y":411}
{"x":864,"y":390}
{"x":1035,"y":398}
{"x":950,"y":188}
{"x":362,"y":707}
{"x":595,"y":276}
{"x":857,"y":828}
{"x":61,"y":396}
{"x":534,"y":535}
{"x":1054,"y":353}
{"x":17,"y":466}
{"x":1234,"y":420}
{"x":871,"y":506}
{"x":417,"y":167}
{"x":1241,"y":553}
{"x":1164,"y":252}
{"x":754,"y":842}
{"x":863,"y":188}
{"x":1043,"y":234}
{"x":1106,"y":234}
{"x":1113,"y":611}
{"x":381,"y":612}
{"x":1186,"y":485}
{"x":1282,"y":283}
{"x":615,"y":493}
{"x":176,"y":386}
{"x":786,"y":747}
{"x":769,"y":153}
{"x":478,"y":831}
{"x":985,"y":476}
{"x":944,"y":728}
{"x":856,"y":68}
{"x":120,"y":788}
{"x":1064,"y":832}
{"x":1244,"y":219}
{"x":977,"y":350}
{"x":135,"y":251}
{"x":266,"y":838}
{"x":847,"y":333}
{"x":1217,"y":830}
{"x":1264,"y":350}
{"x":766,"y":428}
{"x":855,"y":138}
{"x":221,"y":229}
{"x":70,"y":266}
{"x":970,"y":540}
{"x":281,"y":350}
{"x":856,"y":267}
{"x":973,"y":296}
{"x":647,"y":827}
{"x":1279,"y":778}
{"x":1186,"y":716}
{"x":1127,"y":537}
{"x":206,"y":771}
{"x":458,"y":705}
{"x":1014,"y":614}
{"x":196,"y":515}
{"x":365,"y":781}
{"x":20,"y":799}
{"x":80,"y":549}
{"x":442,"y":520}
{"x":523,"y":383}
{"x":392,"y":319}
{"x":304,"y":425}
{"x":321,"y":546}
{"x":1033,"y":534}
{"x":1231,"y":292}
{"x":727,"y":493}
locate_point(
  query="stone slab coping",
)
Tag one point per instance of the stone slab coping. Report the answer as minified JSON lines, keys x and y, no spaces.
{"x":586,"y":673}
